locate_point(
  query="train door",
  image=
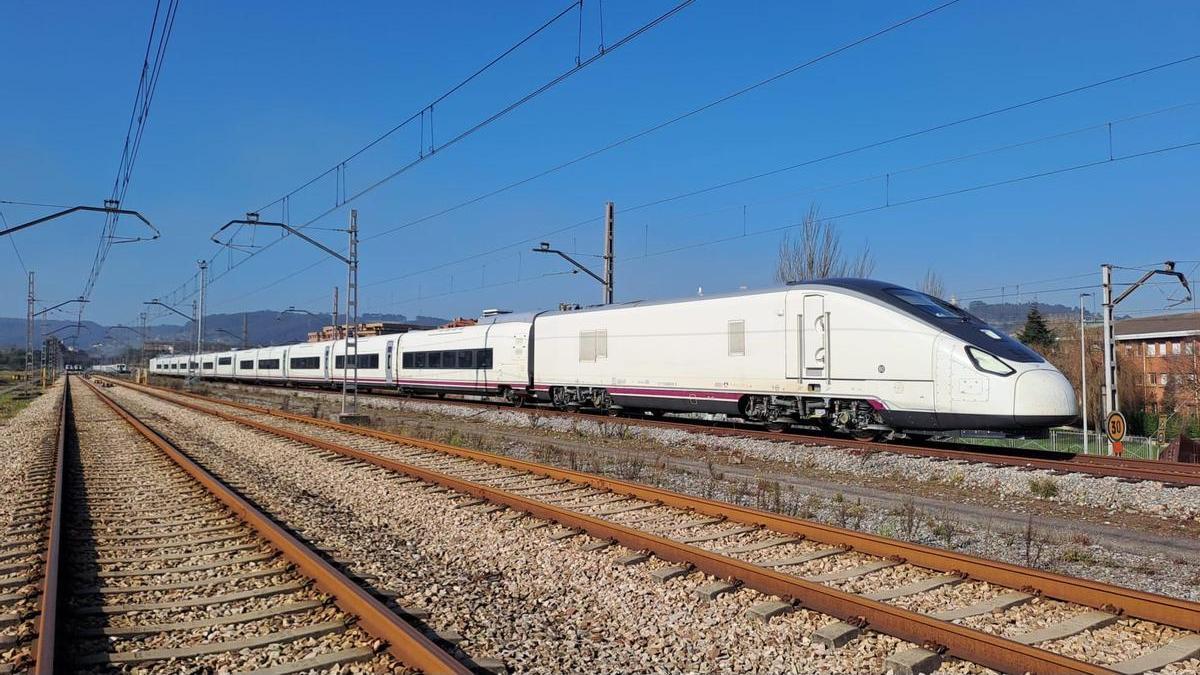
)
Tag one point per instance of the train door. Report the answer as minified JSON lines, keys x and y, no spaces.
{"x":389,"y":374}
{"x":806,"y":345}
{"x":482,"y":375}
{"x":325,"y":372}
{"x":814,"y":338}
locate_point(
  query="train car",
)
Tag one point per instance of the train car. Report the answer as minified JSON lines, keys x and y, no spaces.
{"x":854,"y":355}
{"x":309,"y":363}
{"x":270,"y":364}
{"x":244,"y":364}
{"x":225,"y":367}
{"x":489,"y":358}
{"x":375,"y":359}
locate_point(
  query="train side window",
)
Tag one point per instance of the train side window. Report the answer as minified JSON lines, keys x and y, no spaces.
{"x":483,"y":358}
{"x":434,"y":359}
{"x":450,"y":359}
{"x":208,"y":365}
{"x":305,"y":363}
{"x":465,"y":358}
{"x":268,"y":364}
{"x":369,"y":361}
{"x":737,"y":338}
{"x":406,"y":360}
{"x":246,"y":365}
{"x":419,"y":359}
{"x":224,"y":360}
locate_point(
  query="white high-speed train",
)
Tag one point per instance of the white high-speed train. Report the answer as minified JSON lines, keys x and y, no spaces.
{"x":852,"y":355}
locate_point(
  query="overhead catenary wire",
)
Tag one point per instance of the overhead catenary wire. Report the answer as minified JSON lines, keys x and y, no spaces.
{"x":13,"y":241}
{"x":851,"y":182}
{"x":757,"y":176}
{"x":607,"y":50}
{"x":152,"y":65}
{"x":940,"y":195}
{"x":471,"y":130}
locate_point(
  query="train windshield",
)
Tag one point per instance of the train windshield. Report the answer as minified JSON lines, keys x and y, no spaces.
{"x":930,"y":304}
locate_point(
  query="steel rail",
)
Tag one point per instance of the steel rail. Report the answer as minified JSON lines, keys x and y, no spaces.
{"x":1162,"y":609}
{"x":1177,"y":473}
{"x":404,"y":642}
{"x":47,"y":621}
{"x":969,"y":644}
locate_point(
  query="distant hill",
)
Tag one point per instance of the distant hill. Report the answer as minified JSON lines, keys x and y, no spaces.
{"x":262,"y":327}
{"x":1010,"y":316}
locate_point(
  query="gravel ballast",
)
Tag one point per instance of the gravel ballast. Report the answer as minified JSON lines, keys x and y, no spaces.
{"x":514,"y":594}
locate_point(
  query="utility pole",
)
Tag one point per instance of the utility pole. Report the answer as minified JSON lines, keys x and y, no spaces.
{"x":1111,"y":403}
{"x":609,"y":222}
{"x":29,"y":319}
{"x":245,"y":332}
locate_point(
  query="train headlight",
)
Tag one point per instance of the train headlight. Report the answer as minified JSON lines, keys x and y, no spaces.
{"x":988,"y":363}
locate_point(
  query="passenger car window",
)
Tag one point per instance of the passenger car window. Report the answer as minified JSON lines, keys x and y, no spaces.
{"x":483,"y":358}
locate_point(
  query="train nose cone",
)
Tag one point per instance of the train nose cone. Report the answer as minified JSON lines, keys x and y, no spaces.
{"x":1044,"y":398}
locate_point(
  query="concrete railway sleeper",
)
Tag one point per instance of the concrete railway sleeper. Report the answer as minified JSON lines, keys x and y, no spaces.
{"x":153,"y":583}
{"x":1010,"y":618}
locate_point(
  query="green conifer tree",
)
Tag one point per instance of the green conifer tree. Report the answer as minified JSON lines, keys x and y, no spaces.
{"x":1037,"y":334}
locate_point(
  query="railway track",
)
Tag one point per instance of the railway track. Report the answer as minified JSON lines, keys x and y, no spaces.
{"x":1170,"y":474}
{"x":28,"y":552}
{"x":153,"y":564}
{"x":1001,"y":616}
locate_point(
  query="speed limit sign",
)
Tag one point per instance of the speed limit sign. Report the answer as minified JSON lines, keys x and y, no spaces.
{"x":1115,"y":427}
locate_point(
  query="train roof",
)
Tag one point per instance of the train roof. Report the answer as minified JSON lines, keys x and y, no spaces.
{"x":870,"y":287}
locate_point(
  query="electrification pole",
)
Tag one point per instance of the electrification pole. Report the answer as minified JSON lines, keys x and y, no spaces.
{"x":335,"y":312}
{"x":29,"y":320}
{"x":609,"y":222}
{"x":1111,"y":403}
{"x":200,"y":312}
{"x":350,"y":360}
{"x":142,"y":364}
{"x":1083,"y":371}
{"x":607,"y":280}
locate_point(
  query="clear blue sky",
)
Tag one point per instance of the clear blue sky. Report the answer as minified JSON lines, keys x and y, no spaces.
{"x":257,"y":98}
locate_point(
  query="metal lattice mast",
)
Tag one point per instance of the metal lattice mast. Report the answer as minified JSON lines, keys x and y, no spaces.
{"x":142,"y":363}
{"x":352,"y":311}
{"x":29,"y":319}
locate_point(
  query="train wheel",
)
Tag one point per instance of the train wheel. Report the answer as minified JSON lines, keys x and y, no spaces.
{"x":872,"y":435}
{"x":777,"y":427}
{"x":514,"y":399}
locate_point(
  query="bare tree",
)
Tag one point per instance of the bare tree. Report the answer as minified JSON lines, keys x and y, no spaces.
{"x":816,"y":253}
{"x":932,"y":285}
